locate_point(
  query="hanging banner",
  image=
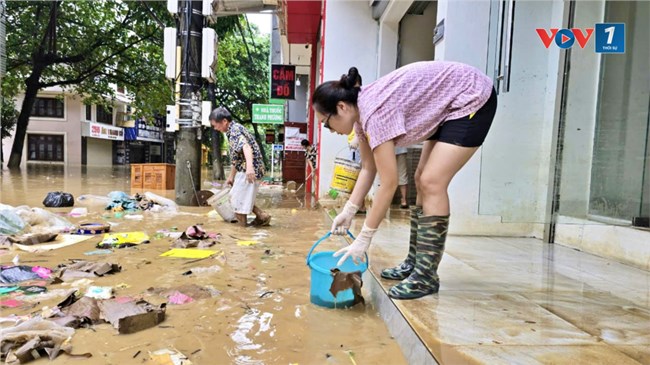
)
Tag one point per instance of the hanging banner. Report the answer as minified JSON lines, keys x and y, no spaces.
{"x":283,"y":82}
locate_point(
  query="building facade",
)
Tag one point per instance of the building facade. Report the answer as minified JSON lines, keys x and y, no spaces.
{"x":64,"y":130}
{"x":566,"y":159}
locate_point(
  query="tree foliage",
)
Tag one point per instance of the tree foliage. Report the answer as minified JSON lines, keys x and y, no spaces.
{"x":243,"y":71}
{"x":85,"y":47}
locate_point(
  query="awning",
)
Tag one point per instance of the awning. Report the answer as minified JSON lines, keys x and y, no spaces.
{"x":301,"y":20}
{"x":234,"y":7}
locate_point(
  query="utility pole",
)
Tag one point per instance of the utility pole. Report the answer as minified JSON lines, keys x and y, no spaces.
{"x":188,"y":137}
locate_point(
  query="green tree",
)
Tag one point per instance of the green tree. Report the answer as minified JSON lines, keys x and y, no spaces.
{"x":243,"y":72}
{"x":85,"y":46}
{"x":8,"y":119}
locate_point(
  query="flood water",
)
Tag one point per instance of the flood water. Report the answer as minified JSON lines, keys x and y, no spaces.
{"x":262,"y":314}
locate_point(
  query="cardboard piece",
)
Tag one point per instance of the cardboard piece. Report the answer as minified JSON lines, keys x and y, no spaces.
{"x":62,"y":240}
{"x":131,"y":317}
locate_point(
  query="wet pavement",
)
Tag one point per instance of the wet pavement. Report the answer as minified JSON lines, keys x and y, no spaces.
{"x":517,"y":301}
{"x":261,"y":314}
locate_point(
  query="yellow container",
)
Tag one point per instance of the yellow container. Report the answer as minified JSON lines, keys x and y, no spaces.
{"x":345,"y":176}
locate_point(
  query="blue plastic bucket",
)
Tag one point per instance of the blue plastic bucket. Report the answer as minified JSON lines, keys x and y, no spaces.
{"x":321,"y":277}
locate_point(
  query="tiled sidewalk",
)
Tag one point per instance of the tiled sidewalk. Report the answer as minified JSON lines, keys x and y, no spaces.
{"x":516,"y":301}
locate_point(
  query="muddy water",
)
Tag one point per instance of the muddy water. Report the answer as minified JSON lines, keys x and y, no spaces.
{"x":262,"y":314}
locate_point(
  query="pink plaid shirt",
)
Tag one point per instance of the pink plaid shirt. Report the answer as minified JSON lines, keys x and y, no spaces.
{"x":409,"y":104}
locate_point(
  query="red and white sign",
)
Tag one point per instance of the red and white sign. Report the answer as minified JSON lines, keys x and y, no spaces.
{"x":102,"y":131}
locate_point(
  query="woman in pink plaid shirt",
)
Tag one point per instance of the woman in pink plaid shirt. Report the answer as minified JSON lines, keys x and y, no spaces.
{"x":447,"y":105}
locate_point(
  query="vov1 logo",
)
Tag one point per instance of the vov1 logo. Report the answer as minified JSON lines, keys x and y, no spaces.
{"x":610,"y":37}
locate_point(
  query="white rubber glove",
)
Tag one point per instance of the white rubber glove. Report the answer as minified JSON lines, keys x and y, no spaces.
{"x":342,"y":222}
{"x":358,"y":248}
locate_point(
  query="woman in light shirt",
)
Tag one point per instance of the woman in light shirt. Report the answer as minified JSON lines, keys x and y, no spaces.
{"x":447,"y":105}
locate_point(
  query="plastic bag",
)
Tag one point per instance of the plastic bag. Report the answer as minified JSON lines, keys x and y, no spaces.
{"x":43,"y":221}
{"x":167,"y":203}
{"x":10,"y":222}
{"x":89,"y":199}
{"x":55,"y":199}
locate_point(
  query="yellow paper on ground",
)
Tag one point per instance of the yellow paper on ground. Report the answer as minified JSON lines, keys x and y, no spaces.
{"x":169,"y":357}
{"x":188,"y":253}
{"x":123,"y":238}
{"x":246,"y":243}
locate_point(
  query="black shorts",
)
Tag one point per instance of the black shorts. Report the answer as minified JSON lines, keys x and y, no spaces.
{"x":468,"y":131}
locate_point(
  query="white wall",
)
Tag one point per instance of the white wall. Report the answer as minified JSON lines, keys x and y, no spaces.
{"x":350,"y":40}
{"x":582,"y":96}
{"x":417,"y":35}
{"x":99,"y":152}
{"x":69,"y":126}
{"x":501,"y":183}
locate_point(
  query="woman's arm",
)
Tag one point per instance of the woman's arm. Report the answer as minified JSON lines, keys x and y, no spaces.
{"x":366,"y":176}
{"x":386,"y":165}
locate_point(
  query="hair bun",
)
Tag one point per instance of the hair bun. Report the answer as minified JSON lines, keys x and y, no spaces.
{"x":351,"y":80}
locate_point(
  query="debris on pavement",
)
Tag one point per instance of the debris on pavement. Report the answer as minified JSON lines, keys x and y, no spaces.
{"x":62,"y":240}
{"x":169,"y":357}
{"x":78,"y":212}
{"x":247,"y":243}
{"x":204,"y":270}
{"x":32,"y":238}
{"x":16,"y":274}
{"x":84,"y":269}
{"x":121,"y":240}
{"x":93,"y":228}
{"x":131,"y":317}
{"x":11,"y":303}
{"x":195,"y":236}
{"x":58,"y":199}
{"x":99,"y":292}
{"x":35,"y":338}
{"x":98,"y":252}
{"x":190,"y":290}
{"x":179,"y":298}
{"x":189,"y":253}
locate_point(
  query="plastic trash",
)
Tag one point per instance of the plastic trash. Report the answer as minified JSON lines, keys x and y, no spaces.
{"x":125,"y":239}
{"x":168,"y":203}
{"x":10,"y":222}
{"x":179,"y":298}
{"x":89,"y":199}
{"x":15,"y":274}
{"x":206,"y":270}
{"x":56,"y":199}
{"x":220,"y":201}
{"x":78,"y":212}
{"x":41,"y":220}
{"x":100,"y":292}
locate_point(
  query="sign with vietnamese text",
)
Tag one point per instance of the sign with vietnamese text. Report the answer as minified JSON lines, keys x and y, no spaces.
{"x":268,"y":114}
{"x":102,"y":131}
{"x":283,"y":82}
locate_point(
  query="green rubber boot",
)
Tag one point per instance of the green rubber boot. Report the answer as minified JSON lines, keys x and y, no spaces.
{"x":403,"y":270}
{"x":424,"y":280}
